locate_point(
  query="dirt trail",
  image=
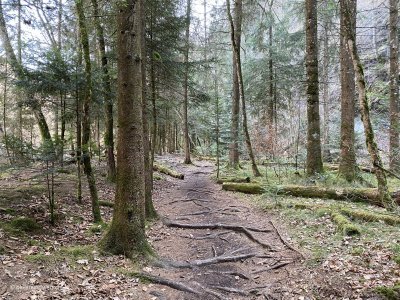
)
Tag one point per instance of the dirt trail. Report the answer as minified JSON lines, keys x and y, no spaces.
{"x":234,"y":251}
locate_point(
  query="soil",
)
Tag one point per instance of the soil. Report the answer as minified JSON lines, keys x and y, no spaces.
{"x":237,"y":251}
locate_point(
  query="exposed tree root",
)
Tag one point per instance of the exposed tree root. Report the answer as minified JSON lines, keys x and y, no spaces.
{"x":237,"y":228}
{"x":284,"y":241}
{"x":167,"y":282}
{"x":273,"y":267}
{"x":209,"y":261}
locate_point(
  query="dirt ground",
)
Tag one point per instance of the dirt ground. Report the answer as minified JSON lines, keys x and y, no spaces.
{"x":211,"y":244}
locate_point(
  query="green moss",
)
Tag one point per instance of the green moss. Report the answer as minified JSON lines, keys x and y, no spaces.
{"x":369,"y":216}
{"x":77,"y":252}
{"x":25,"y":224}
{"x":39,"y":258}
{"x":99,"y":227}
{"x":344,"y":224}
{"x":2,"y":250}
{"x":396,"y":252}
{"x":390,"y":293}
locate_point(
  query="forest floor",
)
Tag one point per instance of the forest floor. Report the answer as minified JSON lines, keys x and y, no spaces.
{"x":211,"y":243}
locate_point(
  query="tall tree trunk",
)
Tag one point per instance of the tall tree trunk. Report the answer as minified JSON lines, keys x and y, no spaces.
{"x":126,"y":234}
{"x":150,"y":211}
{"x":271,"y":104}
{"x":314,"y":157}
{"x":107,"y":95}
{"x":186,"y":87}
{"x":235,"y":47}
{"x":234,"y":146}
{"x":5,"y":111}
{"x":347,"y":166}
{"x":384,"y":194}
{"x":86,"y":111}
{"x":394,"y":86}
{"x":19,"y":52}
{"x":326,"y":103}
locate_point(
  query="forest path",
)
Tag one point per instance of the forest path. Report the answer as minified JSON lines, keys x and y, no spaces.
{"x":229,"y":249}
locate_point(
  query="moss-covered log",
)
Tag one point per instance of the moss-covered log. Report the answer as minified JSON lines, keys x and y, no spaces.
{"x":233,"y":180}
{"x":165,"y":170}
{"x":370,"y":216}
{"x":247,"y":188}
{"x":344,"y":224}
{"x":333,"y":167}
{"x":367,"y":195}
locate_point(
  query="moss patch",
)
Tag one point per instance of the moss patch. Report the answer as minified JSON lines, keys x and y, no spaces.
{"x":24,"y":224}
{"x":390,"y":293}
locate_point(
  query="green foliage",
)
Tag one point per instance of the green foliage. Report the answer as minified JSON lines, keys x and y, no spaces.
{"x":25,"y":224}
{"x":390,"y":293}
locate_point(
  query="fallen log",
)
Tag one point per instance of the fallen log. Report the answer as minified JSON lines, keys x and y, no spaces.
{"x":233,"y":180}
{"x":247,"y":188}
{"x":368,"y":195}
{"x":344,"y":224}
{"x":333,"y":167}
{"x":165,"y":170}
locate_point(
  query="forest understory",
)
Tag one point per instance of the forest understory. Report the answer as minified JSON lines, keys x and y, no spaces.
{"x":210,"y":244}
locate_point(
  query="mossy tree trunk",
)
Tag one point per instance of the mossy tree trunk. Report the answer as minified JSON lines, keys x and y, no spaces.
{"x":107,"y":95}
{"x":314,"y":156}
{"x":372,"y":147}
{"x":84,"y":39}
{"x":234,"y":144}
{"x":126,"y":234}
{"x":347,"y":166}
{"x":394,"y":86}
{"x":238,"y":64}
{"x":186,"y":87}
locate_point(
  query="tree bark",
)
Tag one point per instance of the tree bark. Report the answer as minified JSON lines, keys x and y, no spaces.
{"x":384,"y":195}
{"x":347,"y":166}
{"x":185,"y":99}
{"x":234,"y":146}
{"x":314,"y":157}
{"x":235,"y":47}
{"x":86,"y":111}
{"x":107,"y":95}
{"x":271,"y":99}
{"x":126,"y":234}
{"x":394,"y":86}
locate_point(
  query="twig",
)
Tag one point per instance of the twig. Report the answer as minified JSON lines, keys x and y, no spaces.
{"x":274,"y":267}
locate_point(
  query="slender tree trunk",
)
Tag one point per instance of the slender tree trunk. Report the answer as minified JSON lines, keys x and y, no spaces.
{"x":186,"y":87}
{"x":107,"y":95}
{"x":5,"y":111}
{"x":384,"y":194}
{"x":347,"y":166}
{"x":271,"y":104}
{"x":326,"y":104}
{"x":62,"y":136}
{"x":314,"y":157}
{"x":86,"y":112}
{"x":234,"y":146}
{"x":256,"y":172}
{"x":394,"y":86}
{"x":150,"y":211}
{"x":19,"y":53}
{"x":126,"y":234}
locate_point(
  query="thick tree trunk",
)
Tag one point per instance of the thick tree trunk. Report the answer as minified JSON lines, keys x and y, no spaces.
{"x":234,"y":145}
{"x":185,"y":99}
{"x":314,"y":157}
{"x":235,"y":47}
{"x":326,"y":103}
{"x":384,"y":195}
{"x":126,"y":234}
{"x":347,"y":167}
{"x":86,"y":112}
{"x":107,"y":95}
{"x":394,"y":86}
